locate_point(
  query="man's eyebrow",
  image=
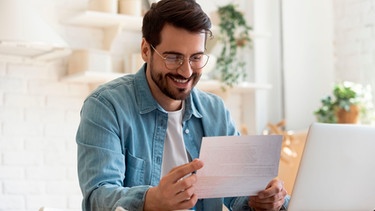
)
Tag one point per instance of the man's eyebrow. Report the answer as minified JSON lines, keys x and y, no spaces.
{"x":180,"y":54}
{"x":172,"y":52}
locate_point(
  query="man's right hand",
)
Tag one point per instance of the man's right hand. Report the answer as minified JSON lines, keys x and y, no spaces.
{"x":176,"y":189}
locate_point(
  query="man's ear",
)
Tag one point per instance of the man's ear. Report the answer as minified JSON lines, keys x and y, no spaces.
{"x":145,"y":50}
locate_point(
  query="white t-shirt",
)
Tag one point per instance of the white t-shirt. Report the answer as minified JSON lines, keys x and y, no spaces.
{"x":174,"y":153}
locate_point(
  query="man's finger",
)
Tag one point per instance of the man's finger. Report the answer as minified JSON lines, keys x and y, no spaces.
{"x":274,"y":188}
{"x":179,"y":172}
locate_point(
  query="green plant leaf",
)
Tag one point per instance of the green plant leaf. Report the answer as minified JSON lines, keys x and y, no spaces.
{"x":234,"y":35}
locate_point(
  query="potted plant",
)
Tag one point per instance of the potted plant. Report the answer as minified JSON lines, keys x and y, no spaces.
{"x":326,"y":113}
{"x":349,"y":103}
{"x":234,"y":35}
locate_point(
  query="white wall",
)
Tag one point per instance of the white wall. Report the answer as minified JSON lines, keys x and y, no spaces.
{"x":355,"y":41}
{"x":308,"y":58}
{"x":38,"y":119}
{"x":325,"y":42}
{"x":267,"y":61}
{"x":39,"y":116}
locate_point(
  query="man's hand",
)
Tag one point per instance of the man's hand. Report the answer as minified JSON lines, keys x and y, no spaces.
{"x":175,"y":190}
{"x":270,"y":199}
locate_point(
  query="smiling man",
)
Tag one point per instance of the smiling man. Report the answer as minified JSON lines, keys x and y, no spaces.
{"x":140,"y":135}
{"x":174,"y":71}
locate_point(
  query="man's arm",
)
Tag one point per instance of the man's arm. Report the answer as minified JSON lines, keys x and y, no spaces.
{"x":101,"y":161}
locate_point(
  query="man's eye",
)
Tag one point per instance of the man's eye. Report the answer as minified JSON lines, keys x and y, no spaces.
{"x":172,"y":58}
{"x":197,"y":57}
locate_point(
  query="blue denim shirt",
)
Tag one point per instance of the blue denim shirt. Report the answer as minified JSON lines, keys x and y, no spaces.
{"x":121,"y":138}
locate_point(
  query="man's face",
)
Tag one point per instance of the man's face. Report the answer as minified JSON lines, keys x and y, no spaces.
{"x":175,"y":83}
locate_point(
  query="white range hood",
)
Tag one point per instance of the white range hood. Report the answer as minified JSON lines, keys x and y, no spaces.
{"x":24,"y":34}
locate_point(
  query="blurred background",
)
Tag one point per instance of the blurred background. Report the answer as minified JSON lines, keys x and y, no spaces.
{"x":53,"y":53}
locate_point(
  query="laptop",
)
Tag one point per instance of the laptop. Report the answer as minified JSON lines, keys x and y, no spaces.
{"x":337,"y":169}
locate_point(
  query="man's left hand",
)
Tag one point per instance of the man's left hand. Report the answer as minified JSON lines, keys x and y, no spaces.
{"x":270,"y":199}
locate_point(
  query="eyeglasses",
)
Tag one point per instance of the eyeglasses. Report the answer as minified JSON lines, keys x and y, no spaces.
{"x":174,"y":61}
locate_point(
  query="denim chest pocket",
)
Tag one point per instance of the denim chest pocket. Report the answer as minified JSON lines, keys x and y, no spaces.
{"x":135,"y":170}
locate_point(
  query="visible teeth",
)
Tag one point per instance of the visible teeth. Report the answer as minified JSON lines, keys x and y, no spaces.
{"x":181,"y":80}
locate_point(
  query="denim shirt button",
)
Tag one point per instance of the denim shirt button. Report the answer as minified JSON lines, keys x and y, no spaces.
{"x":187,"y":131}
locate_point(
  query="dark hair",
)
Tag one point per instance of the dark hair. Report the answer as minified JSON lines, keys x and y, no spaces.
{"x":186,"y":14}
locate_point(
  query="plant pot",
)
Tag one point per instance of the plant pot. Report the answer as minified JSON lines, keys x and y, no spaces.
{"x":348,"y":117}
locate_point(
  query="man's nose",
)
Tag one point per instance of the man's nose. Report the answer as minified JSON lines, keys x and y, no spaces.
{"x":185,"y":69}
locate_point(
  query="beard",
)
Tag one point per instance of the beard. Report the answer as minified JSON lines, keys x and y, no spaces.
{"x":162,"y":82}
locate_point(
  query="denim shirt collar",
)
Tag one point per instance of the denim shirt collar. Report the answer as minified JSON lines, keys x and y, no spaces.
{"x":147,"y":103}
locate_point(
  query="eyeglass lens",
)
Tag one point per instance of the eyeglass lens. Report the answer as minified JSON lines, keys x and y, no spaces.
{"x":174,"y":61}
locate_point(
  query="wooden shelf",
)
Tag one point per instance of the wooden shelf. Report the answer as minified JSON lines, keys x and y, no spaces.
{"x":105,"y":20}
{"x":112,"y":24}
{"x":37,"y":56}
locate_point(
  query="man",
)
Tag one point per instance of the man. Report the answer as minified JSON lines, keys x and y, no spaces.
{"x":140,"y":135}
